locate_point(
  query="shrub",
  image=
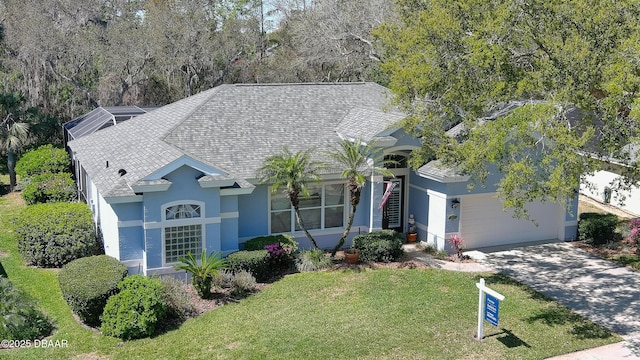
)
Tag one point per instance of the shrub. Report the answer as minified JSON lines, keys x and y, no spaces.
{"x":202,"y":273}
{"x":597,"y":229}
{"x":46,"y":188}
{"x":53,"y":234}
{"x":312,"y":260}
{"x":44,"y":160}
{"x":223,"y":280}
{"x":242,"y":283}
{"x":254,"y":262}
{"x":259,"y":243}
{"x":381,"y":246}
{"x":88,"y":283}
{"x":19,"y":319}
{"x":178,"y":301}
{"x":280,"y":257}
{"x":634,"y":234}
{"x":136,"y":310}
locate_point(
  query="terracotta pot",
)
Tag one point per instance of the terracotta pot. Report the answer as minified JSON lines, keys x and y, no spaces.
{"x":351,"y":256}
{"x":412,"y":237}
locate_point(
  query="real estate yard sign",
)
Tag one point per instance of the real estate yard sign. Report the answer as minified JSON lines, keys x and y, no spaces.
{"x":488,"y":306}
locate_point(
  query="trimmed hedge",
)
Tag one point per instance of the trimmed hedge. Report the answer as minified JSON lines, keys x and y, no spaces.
{"x":46,"y":188}
{"x":19,"y":318}
{"x":136,"y":310}
{"x":53,"y":234}
{"x":88,"y":283}
{"x":258,"y":243}
{"x":255,"y":261}
{"x":379,"y":246}
{"x":597,"y":229}
{"x":44,"y":160}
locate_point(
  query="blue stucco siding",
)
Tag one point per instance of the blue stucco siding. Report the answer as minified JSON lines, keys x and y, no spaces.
{"x":213,"y":237}
{"x":131,"y":243}
{"x":128,"y":211}
{"x":184,"y":187}
{"x":229,"y":203}
{"x":229,"y":234}
{"x":254,"y":213}
{"x":154,"y":251}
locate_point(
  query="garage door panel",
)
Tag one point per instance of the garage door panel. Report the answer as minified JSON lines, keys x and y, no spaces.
{"x":484,"y":223}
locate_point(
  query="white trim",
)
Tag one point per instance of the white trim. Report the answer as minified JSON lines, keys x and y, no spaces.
{"x":216,"y":183}
{"x":138,"y":188}
{"x":130,"y":223}
{"x":236,"y":191}
{"x":425,"y":190}
{"x":183,"y":160}
{"x":182,"y":222}
{"x":229,"y":215}
{"x":123,"y":199}
{"x":436,"y":194}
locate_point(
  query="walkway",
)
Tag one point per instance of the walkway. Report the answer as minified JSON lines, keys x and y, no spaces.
{"x":600,"y":290}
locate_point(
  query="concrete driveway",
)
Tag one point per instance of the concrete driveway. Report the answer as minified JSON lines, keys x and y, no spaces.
{"x":600,"y":290}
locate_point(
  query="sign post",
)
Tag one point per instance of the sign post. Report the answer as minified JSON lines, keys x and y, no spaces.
{"x":488,"y":306}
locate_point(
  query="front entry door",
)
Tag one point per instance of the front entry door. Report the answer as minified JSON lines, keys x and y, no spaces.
{"x":392,"y":211}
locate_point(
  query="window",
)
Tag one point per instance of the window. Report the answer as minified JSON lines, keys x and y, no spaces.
{"x":184,"y":231}
{"x":323,"y":209}
{"x":180,"y":240}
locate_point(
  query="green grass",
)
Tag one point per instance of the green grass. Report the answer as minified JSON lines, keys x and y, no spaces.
{"x":383,"y":313}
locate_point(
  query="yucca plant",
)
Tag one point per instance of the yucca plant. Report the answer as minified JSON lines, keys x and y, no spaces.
{"x":203,"y":272}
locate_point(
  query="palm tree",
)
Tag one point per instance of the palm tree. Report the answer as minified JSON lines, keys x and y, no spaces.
{"x":14,"y":130}
{"x":291,"y":171}
{"x":358,"y":159}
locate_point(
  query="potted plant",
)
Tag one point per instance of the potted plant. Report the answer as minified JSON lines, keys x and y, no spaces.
{"x":351,"y":255}
{"x":412,"y":234}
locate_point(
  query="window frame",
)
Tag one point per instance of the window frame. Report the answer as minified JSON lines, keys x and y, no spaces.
{"x":293,"y":224}
{"x":174,"y":223}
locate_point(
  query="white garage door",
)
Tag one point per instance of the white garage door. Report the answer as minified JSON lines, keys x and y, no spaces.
{"x":484,"y":223}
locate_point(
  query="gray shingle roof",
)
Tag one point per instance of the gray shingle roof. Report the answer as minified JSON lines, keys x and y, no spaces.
{"x":231,"y":127}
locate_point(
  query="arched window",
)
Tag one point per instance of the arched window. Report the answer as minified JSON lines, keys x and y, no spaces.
{"x":183,"y":230}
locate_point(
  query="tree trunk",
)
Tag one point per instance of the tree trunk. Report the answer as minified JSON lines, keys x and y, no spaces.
{"x":11,"y":166}
{"x":347,"y":230}
{"x":301,"y":224}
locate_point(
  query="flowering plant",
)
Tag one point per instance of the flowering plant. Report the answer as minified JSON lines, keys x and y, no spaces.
{"x":456,"y":241}
{"x":634,"y":233}
{"x":280,"y":256}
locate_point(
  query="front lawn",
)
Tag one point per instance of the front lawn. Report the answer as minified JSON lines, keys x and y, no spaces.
{"x":350,"y":313}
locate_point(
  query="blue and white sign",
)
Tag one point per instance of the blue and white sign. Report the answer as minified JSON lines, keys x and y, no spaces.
{"x":491,"y":309}
{"x":488,"y":306}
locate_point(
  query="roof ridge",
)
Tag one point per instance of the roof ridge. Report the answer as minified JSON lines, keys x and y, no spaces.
{"x":186,"y":116}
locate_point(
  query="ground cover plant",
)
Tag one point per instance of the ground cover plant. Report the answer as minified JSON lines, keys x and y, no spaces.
{"x":344,"y":313}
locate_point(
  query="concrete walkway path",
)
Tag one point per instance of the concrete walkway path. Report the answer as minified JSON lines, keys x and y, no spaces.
{"x":602,"y":291}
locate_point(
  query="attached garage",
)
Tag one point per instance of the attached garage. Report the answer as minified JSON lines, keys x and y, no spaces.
{"x":484,"y":223}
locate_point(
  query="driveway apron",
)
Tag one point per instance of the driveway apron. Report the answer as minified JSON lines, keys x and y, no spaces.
{"x":602,"y":291}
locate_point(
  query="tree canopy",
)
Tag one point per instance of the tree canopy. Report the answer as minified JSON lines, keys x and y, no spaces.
{"x":460,"y":61}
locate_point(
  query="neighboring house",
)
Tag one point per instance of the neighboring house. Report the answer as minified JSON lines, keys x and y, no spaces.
{"x":183,"y":177}
{"x":600,"y":186}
